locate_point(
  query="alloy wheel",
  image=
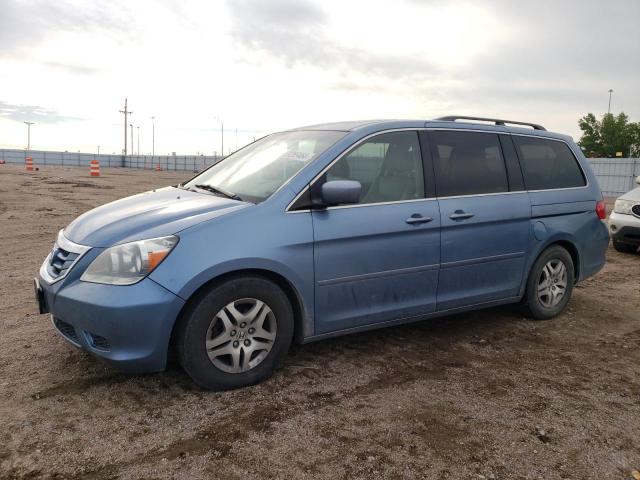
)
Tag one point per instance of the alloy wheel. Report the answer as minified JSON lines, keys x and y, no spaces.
{"x":241,"y":335}
{"x":552,"y":283}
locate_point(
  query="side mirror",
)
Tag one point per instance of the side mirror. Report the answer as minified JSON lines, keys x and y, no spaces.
{"x":638,"y":179}
{"x":340,"y":192}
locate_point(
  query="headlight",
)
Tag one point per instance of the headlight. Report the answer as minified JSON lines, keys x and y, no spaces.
{"x":623,"y":206}
{"x":129,"y":263}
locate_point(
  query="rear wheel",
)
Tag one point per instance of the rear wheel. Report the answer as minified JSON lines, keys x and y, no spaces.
{"x":236,"y":334}
{"x":550,"y":284}
{"x":624,"y":247}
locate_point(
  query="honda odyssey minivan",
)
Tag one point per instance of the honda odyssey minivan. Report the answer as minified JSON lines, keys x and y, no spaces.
{"x":323,"y":231}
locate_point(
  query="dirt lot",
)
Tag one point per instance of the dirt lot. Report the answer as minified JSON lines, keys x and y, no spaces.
{"x":480,"y":395}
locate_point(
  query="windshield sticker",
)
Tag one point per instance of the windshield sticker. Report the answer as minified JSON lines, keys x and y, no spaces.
{"x":297,"y":156}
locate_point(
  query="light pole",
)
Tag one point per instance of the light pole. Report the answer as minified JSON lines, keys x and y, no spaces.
{"x":138,"y":127}
{"x":131,"y":126}
{"x":221,"y":135}
{"x":29,"y":134}
{"x":609,"y":109}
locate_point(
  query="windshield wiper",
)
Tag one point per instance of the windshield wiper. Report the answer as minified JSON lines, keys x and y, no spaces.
{"x":218,"y":191}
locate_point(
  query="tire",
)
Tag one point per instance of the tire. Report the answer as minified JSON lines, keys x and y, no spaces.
{"x":624,"y":247}
{"x":545,"y":297}
{"x":236,"y":334}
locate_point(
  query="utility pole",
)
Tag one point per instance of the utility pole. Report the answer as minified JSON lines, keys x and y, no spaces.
{"x":609,"y":109}
{"x":126,"y":113}
{"x":131,"y":126}
{"x":153,"y":136}
{"x":138,"y":127}
{"x":29,"y":134}
{"x":221,"y":135}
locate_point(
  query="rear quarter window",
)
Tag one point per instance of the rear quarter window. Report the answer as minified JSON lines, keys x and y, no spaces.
{"x":548,"y":164}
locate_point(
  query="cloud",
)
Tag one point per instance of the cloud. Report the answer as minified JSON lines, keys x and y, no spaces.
{"x":278,"y":63}
{"x":24,"y":25}
{"x":32,"y":113}
{"x":288,"y":29}
{"x":560,"y":61}
{"x":544,"y":55}
{"x":73,"y":68}
{"x":295,"y":32}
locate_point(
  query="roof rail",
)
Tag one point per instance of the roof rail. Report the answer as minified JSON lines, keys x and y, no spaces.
{"x":453,"y":118}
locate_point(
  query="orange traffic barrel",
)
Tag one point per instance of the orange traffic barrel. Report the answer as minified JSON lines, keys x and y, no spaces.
{"x":158,"y":168}
{"x":94,"y":168}
{"x":28,"y":162}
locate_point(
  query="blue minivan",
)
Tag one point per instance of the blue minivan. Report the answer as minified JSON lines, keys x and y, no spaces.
{"x":322,"y":231}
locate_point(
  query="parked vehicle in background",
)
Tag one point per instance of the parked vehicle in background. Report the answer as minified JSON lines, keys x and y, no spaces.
{"x":624,"y":221}
{"x":323,"y":231}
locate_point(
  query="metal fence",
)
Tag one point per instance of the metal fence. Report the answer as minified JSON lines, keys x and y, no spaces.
{"x":193,"y":163}
{"x":615,"y":175}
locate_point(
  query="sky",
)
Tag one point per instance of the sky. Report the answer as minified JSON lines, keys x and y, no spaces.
{"x":267,"y":65}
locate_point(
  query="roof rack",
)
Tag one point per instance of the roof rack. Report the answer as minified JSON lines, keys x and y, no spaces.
{"x":497,"y":121}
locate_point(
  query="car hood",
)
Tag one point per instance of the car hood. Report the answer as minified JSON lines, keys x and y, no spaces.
{"x":633,"y":195}
{"x":147,"y":215}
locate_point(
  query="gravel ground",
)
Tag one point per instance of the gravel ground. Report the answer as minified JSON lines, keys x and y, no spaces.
{"x":486,"y":394}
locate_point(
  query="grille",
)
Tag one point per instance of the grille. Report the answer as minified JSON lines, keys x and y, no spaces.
{"x":62,"y":258}
{"x":99,"y":342}
{"x":66,"y":330}
{"x":60,"y":262}
{"x":636,"y":209}
{"x":630,"y":235}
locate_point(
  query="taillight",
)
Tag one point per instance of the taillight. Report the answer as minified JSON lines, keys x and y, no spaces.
{"x":601,"y":210}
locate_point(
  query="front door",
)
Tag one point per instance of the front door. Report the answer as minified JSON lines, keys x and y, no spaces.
{"x":378,"y":260}
{"x":485,"y":217}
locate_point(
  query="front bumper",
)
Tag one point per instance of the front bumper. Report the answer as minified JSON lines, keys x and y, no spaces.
{"x":625,"y":228}
{"x":128,"y":326}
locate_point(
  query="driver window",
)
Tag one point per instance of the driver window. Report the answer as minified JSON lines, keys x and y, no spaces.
{"x":388,"y":166}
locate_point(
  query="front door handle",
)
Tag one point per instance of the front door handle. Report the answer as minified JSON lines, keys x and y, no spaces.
{"x":417,"y":219}
{"x":460,"y":215}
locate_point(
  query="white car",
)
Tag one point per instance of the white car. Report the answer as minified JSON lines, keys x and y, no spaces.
{"x":624,"y":221}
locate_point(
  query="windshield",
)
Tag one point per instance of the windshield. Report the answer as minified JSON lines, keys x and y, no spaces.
{"x":259,"y":169}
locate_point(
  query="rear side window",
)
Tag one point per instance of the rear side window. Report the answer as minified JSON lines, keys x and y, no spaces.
{"x":548,"y":164}
{"x":467,"y":163}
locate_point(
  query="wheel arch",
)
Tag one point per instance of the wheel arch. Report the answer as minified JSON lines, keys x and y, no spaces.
{"x":564,"y":242}
{"x":294,"y":297}
{"x":573,"y":251}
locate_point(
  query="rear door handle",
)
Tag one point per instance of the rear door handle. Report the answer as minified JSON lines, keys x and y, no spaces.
{"x":460,"y":215}
{"x":417,"y":219}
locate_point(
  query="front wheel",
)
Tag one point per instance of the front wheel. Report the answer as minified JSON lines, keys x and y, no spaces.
{"x":550,"y":284}
{"x":236,"y":334}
